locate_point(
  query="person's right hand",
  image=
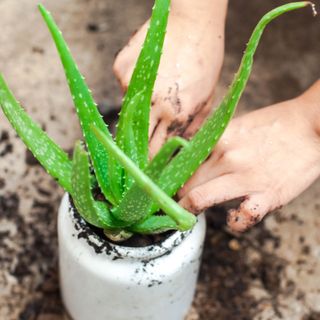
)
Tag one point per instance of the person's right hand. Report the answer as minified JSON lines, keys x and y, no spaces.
{"x":266,"y":157}
{"x":189,"y":69}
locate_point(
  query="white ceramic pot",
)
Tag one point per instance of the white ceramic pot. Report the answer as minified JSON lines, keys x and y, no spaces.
{"x":103,"y":281}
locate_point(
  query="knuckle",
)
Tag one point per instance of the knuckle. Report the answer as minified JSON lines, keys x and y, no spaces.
{"x":123,"y":83}
{"x":120,"y":74}
{"x":196,"y":201}
{"x":118,"y":62}
{"x":219,"y":150}
{"x":182,"y":117}
{"x":116,"y":70}
{"x":229,"y":156}
{"x":167,"y":111}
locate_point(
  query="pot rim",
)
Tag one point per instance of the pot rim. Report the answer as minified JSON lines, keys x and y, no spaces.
{"x":146,"y":253}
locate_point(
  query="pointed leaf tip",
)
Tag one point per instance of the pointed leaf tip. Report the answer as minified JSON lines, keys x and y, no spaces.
{"x":108,"y":176}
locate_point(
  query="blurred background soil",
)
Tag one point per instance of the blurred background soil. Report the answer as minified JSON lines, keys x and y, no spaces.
{"x":270,"y":272}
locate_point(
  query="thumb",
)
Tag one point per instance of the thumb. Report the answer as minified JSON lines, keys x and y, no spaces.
{"x":251,"y":211}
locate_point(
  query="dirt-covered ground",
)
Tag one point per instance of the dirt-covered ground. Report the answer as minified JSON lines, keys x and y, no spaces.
{"x":271,"y":272}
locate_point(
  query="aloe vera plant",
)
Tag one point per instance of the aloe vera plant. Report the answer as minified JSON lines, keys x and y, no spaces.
{"x":134,"y":188}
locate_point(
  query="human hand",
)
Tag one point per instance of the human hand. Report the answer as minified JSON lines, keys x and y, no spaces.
{"x":267,"y":158}
{"x":189,"y":69}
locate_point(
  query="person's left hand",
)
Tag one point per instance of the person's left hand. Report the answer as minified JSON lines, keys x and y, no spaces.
{"x":267,"y":157}
{"x":188,"y":72}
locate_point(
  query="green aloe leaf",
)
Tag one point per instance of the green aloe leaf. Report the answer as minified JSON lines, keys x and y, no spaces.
{"x":49,"y":154}
{"x":185,"y":163}
{"x":154,"y":224}
{"x":153,"y":170}
{"x":129,"y":143}
{"x":165,"y":154}
{"x":142,"y":80}
{"x":184,"y":219}
{"x":109,"y":180}
{"x":95,"y":212}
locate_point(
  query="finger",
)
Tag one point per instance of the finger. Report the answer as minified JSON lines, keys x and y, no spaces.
{"x":250,"y":212}
{"x":158,"y":138}
{"x":121,"y":66}
{"x":210,"y":170}
{"x":215,"y":191}
{"x":154,"y":116}
{"x":152,"y":126}
{"x":124,"y":64}
{"x":199,"y":118}
{"x":125,"y":59}
{"x":123,"y":77}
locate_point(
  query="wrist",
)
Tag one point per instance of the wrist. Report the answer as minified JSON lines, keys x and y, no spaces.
{"x":210,"y":9}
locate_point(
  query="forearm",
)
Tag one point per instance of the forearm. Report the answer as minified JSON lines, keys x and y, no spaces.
{"x":200,"y":9}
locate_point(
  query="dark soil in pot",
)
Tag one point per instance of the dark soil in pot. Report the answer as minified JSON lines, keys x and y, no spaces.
{"x":137,"y":240}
